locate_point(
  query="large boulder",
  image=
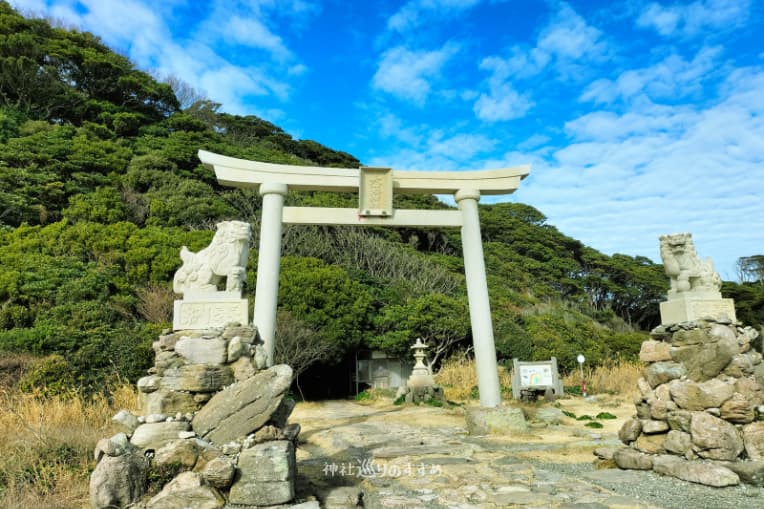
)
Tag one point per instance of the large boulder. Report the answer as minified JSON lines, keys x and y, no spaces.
{"x":753,"y":438}
{"x":203,"y":350}
{"x":654,"y":351}
{"x":659,"y":373}
{"x":701,"y":472}
{"x":156,"y":434}
{"x":118,"y":481}
{"x":704,"y":352}
{"x":714,"y":438}
{"x":244,"y":407}
{"x":265,"y":475}
{"x":690,"y":395}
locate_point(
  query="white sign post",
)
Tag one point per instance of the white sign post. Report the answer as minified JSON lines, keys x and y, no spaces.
{"x":375,"y":187}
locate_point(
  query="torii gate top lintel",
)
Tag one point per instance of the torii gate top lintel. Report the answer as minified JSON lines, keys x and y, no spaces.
{"x":234,"y":172}
{"x":375,"y":187}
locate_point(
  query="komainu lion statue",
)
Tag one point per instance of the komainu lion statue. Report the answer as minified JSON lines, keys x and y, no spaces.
{"x":686,"y":271}
{"x":225,"y":257}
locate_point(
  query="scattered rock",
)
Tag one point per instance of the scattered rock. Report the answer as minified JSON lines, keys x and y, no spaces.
{"x":654,"y":351}
{"x":167,"y":401}
{"x":265,"y":475}
{"x":219,"y":472}
{"x":737,"y":410}
{"x":678,"y":442}
{"x":628,"y":458}
{"x":549,"y":415}
{"x":187,"y":491}
{"x":651,"y":427}
{"x":197,"y":378}
{"x":753,"y":438}
{"x":661,"y":372}
{"x":714,"y":438}
{"x":178,"y":452}
{"x":495,"y":421}
{"x":117,"y":445}
{"x":679,"y":420}
{"x":630,"y":430}
{"x":651,"y":444}
{"x":750,"y":472}
{"x":155,"y":435}
{"x":126,"y":421}
{"x":118,"y":481}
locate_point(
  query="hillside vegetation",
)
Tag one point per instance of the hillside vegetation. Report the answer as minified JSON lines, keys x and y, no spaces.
{"x":100,"y":186}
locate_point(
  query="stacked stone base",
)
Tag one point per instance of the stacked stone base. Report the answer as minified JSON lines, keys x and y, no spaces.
{"x":214,"y":434}
{"x":700,"y":414}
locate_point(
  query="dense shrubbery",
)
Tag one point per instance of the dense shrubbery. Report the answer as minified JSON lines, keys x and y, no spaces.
{"x":100,"y":185}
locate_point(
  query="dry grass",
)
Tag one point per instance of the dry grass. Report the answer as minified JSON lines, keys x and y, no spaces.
{"x":48,"y":445}
{"x":458,"y":378}
{"x":155,"y":303}
{"x":619,"y":377}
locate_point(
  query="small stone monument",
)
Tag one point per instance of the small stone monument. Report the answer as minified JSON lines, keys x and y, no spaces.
{"x":694,"y":292}
{"x":205,"y":305}
{"x":421,"y":385}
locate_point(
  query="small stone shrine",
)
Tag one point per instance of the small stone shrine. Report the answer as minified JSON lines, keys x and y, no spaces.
{"x":214,"y":428}
{"x":694,"y":291}
{"x":700,"y":412}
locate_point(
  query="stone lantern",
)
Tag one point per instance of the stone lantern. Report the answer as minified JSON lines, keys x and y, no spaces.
{"x":421,"y":385}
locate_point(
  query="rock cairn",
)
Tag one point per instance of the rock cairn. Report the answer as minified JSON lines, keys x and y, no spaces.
{"x":214,"y":433}
{"x":699,"y":415}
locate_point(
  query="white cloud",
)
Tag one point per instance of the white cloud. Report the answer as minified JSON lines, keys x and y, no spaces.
{"x":424,"y":148}
{"x":417,"y":12}
{"x":408,"y":74}
{"x":252,"y":32}
{"x":502,"y":103}
{"x":627,"y":178}
{"x":567,"y":43}
{"x":694,"y":18}
{"x":671,"y":78}
{"x":569,"y":37}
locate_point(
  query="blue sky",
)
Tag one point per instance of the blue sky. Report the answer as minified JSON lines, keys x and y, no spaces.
{"x":639,"y":117}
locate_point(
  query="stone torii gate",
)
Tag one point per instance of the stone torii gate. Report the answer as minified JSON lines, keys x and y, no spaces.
{"x":375,"y":187}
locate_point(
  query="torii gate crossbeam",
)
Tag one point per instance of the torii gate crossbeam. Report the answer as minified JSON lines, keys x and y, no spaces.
{"x":375,"y":187}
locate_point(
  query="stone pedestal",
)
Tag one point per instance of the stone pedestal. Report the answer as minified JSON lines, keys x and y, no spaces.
{"x":692,"y":306}
{"x":210,"y":310}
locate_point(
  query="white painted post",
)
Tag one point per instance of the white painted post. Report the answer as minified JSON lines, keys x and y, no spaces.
{"x":268,"y":265}
{"x":477,"y":293}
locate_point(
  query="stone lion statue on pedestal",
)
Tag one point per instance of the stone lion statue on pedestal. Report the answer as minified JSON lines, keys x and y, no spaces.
{"x":687,"y":272}
{"x":225,"y":257}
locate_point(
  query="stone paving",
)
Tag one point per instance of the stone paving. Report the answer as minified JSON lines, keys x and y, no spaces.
{"x":352,"y":455}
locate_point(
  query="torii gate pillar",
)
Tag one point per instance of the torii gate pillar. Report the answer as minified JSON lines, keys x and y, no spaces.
{"x":269,"y":265}
{"x":477,"y":294}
